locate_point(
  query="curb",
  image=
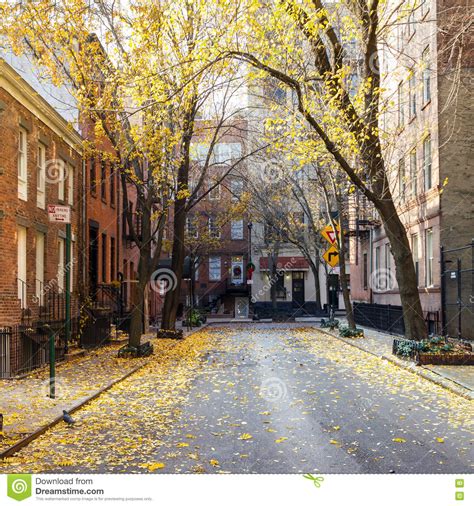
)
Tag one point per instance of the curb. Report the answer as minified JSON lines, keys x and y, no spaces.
{"x":38,"y":432}
{"x":445,"y":383}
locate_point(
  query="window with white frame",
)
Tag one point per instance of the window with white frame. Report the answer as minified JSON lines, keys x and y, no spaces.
{"x":41,"y":177}
{"x":23,"y":164}
{"x":426,"y":75}
{"x":61,"y":263}
{"x":429,"y":257}
{"x":21,"y":265}
{"x":401,"y":179}
{"x":401,"y":105}
{"x":427,"y":169}
{"x":214,"y":230}
{"x":191,"y":227}
{"x":415,"y":245}
{"x":412,"y":94}
{"x":70,"y":184}
{"x":225,"y":152}
{"x":214,"y":268}
{"x":214,"y":191}
{"x":61,"y":178}
{"x":413,"y":173}
{"x":236,"y":189}
{"x":39,"y":281}
{"x":237,"y":229}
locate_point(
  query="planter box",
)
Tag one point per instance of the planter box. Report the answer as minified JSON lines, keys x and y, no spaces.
{"x":169,"y":334}
{"x":446,"y":358}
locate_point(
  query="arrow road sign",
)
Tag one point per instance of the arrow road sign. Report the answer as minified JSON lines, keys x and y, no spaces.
{"x":331,"y":256}
{"x":330,"y":234}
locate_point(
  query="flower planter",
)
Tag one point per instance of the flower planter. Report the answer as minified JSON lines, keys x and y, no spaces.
{"x":446,"y":358}
{"x":169,"y":334}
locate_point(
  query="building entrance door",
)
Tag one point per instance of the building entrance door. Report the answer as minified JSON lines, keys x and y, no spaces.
{"x":297,"y":289}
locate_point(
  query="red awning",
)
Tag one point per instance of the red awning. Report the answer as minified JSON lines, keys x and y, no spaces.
{"x":286,"y":263}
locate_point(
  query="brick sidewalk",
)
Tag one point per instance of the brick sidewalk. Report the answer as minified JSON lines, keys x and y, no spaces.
{"x":380,"y":344}
{"x":25,"y":403}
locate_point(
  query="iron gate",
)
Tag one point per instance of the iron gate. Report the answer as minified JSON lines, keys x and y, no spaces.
{"x":457,"y":291}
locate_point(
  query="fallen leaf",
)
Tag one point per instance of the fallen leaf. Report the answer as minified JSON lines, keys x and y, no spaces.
{"x":399,"y":440}
{"x":281,"y":439}
{"x":214,"y":463}
{"x":245,"y":436}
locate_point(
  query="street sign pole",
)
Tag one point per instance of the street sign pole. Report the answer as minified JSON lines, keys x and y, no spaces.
{"x":68,"y":286}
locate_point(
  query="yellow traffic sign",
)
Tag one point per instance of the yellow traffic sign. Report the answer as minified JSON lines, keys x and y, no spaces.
{"x":330,"y":235}
{"x":331,"y":256}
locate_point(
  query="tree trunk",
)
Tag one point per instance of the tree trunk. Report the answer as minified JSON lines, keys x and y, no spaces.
{"x":345,"y":288}
{"x":170,"y":307}
{"x":317,"y":287}
{"x":415,"y":325}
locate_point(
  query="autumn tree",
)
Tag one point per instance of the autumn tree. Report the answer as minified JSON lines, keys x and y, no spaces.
{"x":327,"y":56}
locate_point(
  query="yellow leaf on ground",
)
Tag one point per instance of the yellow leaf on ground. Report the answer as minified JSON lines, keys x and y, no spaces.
{"x":334,"y":442}
{"x":399,"y":440}
{"x":440,"y":440}
{"x":182,"y":445}
{"x":245,"y":436}
{"x":214,"y":463}
{"x":281,"y":439}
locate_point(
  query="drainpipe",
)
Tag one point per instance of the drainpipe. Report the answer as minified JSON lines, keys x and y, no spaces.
{"x":84,"y":225}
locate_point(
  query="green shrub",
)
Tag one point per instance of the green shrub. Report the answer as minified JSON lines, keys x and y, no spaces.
{"x":346,"y":331}
{"x":329,"y":324}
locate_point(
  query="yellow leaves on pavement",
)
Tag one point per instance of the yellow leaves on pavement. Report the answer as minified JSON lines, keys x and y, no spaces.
{"x":182,"y":445}
{"x":440,"y":440}
{"x":153,"y":466}
{"x":245,"y":436}
{"x":214,"y":463}
{"x":281,"y":439}
{"x":399,"y":440}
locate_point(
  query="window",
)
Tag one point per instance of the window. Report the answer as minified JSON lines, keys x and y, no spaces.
{"x":214,"y":193}
{"x":39,"y":281}
{"x":112,"y":259}
{"x":103,"y":178}
{"x":21,"y":265}
{"x":416,"y":256}
{"x":112,"y":185}
{"x":426,"y":75}
{"x":62,"y":180}
{"x":412,"y":91}
{"x":401,"y":179}
{"x":237,"y":229}
{"x":23,"y":164}
{"x":280,"y":285}
{"x":377,"y":258}
{"x":41,"y":177}
{"x":214,"y":268}
{"x":225,"y":152}
{"x":401,"y":106}
{"x":388,"y":264}
{"x":191,"y":227}
{"x":61,"y":263}
{"x":427,"y":175}
{"x":104,"y":258}
{"x":92,"y":176}
{"x":214,"y":231}
{"x":236,"y":189}
{"x":413,"y":173}
{"x":429,"y":257}
{"x":365,"y":272}
{"x":70,"y":184}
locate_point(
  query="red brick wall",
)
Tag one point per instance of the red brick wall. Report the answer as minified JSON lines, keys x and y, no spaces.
{"x":26,"y":213}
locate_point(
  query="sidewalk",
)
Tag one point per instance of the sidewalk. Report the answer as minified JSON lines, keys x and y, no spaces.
{"x":26,"y":406}
{"x":380,"y":344}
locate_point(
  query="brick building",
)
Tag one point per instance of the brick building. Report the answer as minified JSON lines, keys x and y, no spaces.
{"x":426,"y":69}
{"x":40,"y":164}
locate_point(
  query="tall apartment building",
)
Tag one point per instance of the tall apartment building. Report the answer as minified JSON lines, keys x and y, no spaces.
{"x":426,"y":70}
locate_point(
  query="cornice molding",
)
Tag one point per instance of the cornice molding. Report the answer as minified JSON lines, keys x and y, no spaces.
{"x":24,"y":93}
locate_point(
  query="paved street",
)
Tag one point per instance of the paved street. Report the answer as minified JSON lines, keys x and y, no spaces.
{"x":263,"y":399}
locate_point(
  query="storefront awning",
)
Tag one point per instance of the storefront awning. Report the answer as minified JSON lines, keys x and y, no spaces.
{"x":286,"y":264}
